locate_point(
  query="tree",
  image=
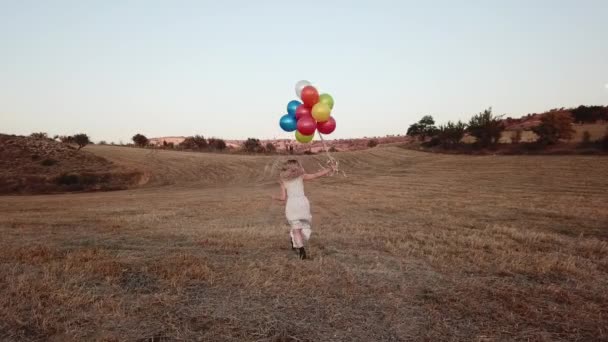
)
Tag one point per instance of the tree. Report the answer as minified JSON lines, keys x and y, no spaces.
{"x":589,"y":114}
{"x":197,"y":142}
{"x":67,"y":139}
{"x":516,"y":136}
{"x":486,"y":127}
{"x":140,"y":140}
{"x":217,"y":144}
{"x":423,"y":128}
{"x":553,"y":127}
{"x":450,"y":134}
{"x":252,"y":145}
{"x":81,"y":140}
{"x":372,"y":143}
{"x":270,"y":148}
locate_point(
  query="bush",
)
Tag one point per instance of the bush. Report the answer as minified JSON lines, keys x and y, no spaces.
{"x":103,"y":142}
{"x":486,"y":127}
{"x":423,"y":128}
{"x":333,"y":149}
{"x":516,"y":136}
{"x":197,"y":142}
{"x":590,"y":114}
{"x":451,"y":134}
{"x":81,"y":140}
{"x":372,"y":143}
{"x":217,"y":144}
{"x":553,"y":127}
{"x":48,"y":162}
{"x":270,"y":148}
{"x":252,"y":145}
{"x":140,"y":140}
{"x":39,"y":135}
{"x":67,"y":139}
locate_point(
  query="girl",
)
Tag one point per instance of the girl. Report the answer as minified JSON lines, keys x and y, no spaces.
{"x":297,"y":208}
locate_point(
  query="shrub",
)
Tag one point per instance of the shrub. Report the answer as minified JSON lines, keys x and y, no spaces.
{"x":516,"y":136}
{"x":197,"y":142}
{"x":140,"y":140}
{"x":333,"y":149}
{"x":252,"y":145}
{"x":67,"y":139}
{"x":81,"y":140}
{"x":553,"y":127}
{"x":48,"y":162}
{"x":372,"y":143}
{"x":589,"y":114}
{"x":270,"y":148}
{"x":486,"y":127}
{"x":217,"y":144}
{"x":423,"y":128}
{"x":39,"y":135}
{"x":103,"y":142}
{"x":450,"y":134}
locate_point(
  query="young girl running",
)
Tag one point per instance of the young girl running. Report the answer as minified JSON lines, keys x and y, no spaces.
{"x":297,"y":207}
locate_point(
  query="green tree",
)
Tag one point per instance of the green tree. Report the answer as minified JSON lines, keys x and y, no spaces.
{"x":217,"y":144}
{"x":81,"y":140}
{"x":140,"y":140}
{"x":252,"y":145}
{"x":554,"y":127}
{"x":486,"y":127}
{"x":423,"y":128}
{"x":450,"y":134}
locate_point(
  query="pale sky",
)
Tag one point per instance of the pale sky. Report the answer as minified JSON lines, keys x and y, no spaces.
{"x":228,"y":68}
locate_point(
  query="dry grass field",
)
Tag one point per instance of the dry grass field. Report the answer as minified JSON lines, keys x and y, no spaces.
{"x":409,"y":247}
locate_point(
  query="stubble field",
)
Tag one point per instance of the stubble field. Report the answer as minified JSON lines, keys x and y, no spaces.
{"x":408,"y":247}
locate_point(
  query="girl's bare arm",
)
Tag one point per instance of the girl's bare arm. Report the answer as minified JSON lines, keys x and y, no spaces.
{"x":324,"y":172}
{"x":283,"y":195}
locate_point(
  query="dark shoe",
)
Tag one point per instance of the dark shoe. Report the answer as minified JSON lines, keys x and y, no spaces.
{"x":302,"y":253}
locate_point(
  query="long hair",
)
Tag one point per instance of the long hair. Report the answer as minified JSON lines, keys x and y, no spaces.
{"x":291,"y":169}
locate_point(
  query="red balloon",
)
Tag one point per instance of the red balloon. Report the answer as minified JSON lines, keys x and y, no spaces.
{"x":327,"y":127}
{"x":302,"y":111}
{"x":310,"y":96}
{"x":307,"y":125}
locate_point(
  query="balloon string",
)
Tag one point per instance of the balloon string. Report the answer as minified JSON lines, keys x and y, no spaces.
{"x":329,"y":156}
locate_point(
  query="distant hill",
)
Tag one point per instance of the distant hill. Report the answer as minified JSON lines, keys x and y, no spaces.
{"x":30,"y":165}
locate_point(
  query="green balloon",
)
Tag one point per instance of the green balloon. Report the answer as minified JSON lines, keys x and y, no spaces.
{"x":327,"y":99}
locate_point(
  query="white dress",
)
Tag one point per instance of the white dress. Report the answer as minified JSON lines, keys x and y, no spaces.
{"x":297,"y":208}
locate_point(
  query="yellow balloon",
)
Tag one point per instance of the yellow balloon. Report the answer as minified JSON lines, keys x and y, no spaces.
{"x":321,"y":112}
{"x":305,"y":139}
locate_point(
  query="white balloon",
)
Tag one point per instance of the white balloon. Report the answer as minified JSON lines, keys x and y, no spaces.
{"x":301,"y":85}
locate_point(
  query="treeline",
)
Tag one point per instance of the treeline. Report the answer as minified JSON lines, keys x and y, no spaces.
{"x":487,"y":129}
{"x":200,"y":143}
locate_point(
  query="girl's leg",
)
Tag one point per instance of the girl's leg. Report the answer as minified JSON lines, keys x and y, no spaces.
{"x":298,"y":239}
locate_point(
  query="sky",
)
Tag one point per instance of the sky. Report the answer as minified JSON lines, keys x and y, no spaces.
{"x":114,"y":68}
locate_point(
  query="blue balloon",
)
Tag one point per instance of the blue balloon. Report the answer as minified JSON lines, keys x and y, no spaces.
{"x":288,"y":123}
{"x":292,"y":106}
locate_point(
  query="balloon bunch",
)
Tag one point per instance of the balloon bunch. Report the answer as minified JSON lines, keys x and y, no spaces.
{"x":311,"y":115}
